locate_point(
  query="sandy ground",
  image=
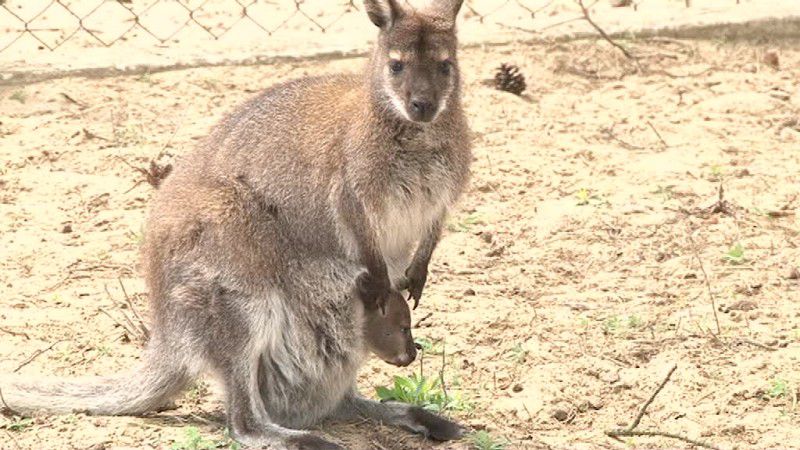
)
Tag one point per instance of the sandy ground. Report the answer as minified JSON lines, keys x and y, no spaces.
{"x":566,"y":287}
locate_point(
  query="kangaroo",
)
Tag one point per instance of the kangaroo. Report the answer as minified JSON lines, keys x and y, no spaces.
{"x":305,"y":188}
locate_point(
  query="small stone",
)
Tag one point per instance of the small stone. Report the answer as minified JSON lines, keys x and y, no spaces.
{"x":772,"y":59}
{"x":469,"y":292}
{"x":595,"y":403}
{"x":794,"y":274}
{"x":560,"y":415}
{"x":517,"y":388}
{"x":487,"y":237}
{"x":609,"y":377}
{"x":67,"y":228}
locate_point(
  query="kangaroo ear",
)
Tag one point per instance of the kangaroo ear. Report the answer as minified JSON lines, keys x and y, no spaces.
{"x":455,"y":7}
{"x":383,"y":13}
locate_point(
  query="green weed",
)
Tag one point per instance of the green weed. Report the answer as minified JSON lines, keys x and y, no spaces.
{"x":735,"y":255}
{"x":428,"y":346}
{"x":634,"y":322}
{"x":667,"y":192}
{"x":19,"y":96}
{"x":18,"y":424}
{"x":612,"y":324}
{"x":193,"y":440}
{"x":481,"y":440}
{"x":585,"y":196}
{"x":419,"y":390}
{"x":779,"y":388}
{"x":517,"y":353}
{"x":465,"y":224}
{"x":716,"y":173}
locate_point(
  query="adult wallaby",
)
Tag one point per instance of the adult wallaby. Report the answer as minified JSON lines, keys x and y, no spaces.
{"x":359,"y":169}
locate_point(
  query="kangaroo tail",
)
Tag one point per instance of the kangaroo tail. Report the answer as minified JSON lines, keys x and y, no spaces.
{"x":149,"y":387}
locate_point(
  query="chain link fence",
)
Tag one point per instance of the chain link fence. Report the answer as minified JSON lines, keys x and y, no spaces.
{"x":41,"y":39}
{"x":52,"y":23}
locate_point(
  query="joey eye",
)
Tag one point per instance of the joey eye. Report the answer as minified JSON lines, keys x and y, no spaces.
{"x":395,"y":66}
{"x":445,"y":66}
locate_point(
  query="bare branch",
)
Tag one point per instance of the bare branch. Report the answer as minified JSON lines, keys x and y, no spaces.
{"x":631,"y":430}
{"x":707,"y":282}
{"x":588,"y":18}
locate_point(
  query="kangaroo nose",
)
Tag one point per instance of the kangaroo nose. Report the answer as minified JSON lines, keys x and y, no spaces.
{"x":421,"y":106}
{"x":421,"y":109}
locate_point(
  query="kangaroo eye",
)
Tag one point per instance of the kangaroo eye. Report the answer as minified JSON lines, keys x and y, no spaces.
{"x":445,"y":67}
{"x":395,"y":66}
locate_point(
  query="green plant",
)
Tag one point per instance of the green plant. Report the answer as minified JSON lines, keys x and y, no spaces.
{"x":779,"y":388}
{"x":612,"y":324}
{"x":716,"y":173}
{"x":735,"y":255}
{"x":634,"y":322}
{"x":517,"y":353}
{"x":19,"y":96}
{"x":466,"y":223}
{"x":17,"y":424}
{"x":136,"y":237}
{"x":194,"y":441}
{"x":197,"y":392}
{"x":666,"y":192}
{"x":481,"y":440}
{"x":426,"y":392}
{"x":428,"y":346}
{"x":585,"y":196}
{"x":131,"y":134}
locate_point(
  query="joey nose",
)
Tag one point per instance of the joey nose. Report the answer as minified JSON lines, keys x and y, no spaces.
{"x":421,"y":110}
{"x":405,"y":359}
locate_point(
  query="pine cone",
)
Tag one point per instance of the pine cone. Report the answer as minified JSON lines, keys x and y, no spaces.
{"x":508,"y":78}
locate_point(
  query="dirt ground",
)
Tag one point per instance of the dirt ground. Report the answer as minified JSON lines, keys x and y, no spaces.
{"x":568,"y":283}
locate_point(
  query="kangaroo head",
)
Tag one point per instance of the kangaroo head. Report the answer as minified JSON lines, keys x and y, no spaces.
{"x":414,"y":66}
{"x":387,"y":331}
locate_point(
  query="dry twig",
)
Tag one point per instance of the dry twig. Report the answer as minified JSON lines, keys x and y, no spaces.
{"x":588,"y":18}
{"x":142,"y":326}
{"x":36,"y":354}
{"x":663,"y":142}
{"x":707,"y":282}
{"x":15,"y":333}
{"x":631,"y":430}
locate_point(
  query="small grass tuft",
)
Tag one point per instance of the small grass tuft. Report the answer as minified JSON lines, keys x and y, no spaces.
{"x":779,"y":388}
{"x":193,"y":440}
{"x":584,"y":197}
{"x":735,"y":255}
{"x":19,"y":96}
{"x":429,"y":346}
{"x":419,"y":390}
{"x":17,"y":424}
{"x":518,"y":354}
{"x":482,"y":440}
{"x":465,"y":224}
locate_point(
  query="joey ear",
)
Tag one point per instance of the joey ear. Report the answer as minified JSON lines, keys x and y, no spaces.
{"x":383,"y":13}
